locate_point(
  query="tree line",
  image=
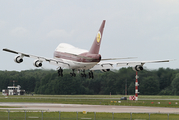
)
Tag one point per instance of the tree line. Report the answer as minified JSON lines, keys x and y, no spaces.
{"x":151,"y":82}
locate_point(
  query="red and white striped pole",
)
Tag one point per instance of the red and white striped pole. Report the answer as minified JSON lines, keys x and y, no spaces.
{"x":136,"y":86}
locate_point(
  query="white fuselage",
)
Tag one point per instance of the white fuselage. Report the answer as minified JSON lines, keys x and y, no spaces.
{"x":69,"y":54}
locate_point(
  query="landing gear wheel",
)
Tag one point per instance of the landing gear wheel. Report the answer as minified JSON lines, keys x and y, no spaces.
{"x":83,"y":74}
{"x":60,"y":72}
{"x":91,"y":75}
{"x":73,"y":74}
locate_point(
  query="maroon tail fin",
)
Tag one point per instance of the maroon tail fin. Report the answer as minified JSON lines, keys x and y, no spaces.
{"x":97,"y":42}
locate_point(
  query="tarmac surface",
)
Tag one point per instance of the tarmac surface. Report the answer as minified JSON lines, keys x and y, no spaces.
{"x":89,"y":108}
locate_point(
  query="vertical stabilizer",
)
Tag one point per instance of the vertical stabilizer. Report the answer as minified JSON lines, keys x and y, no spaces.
{"x":97,"y":42}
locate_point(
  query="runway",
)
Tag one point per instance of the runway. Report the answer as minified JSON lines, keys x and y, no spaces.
{"x":89,"y":108}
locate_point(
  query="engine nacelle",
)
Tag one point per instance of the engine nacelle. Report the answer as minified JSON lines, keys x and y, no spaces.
{"x":105,"y":70}
{"x":37,"y":63}
{"x":138,"y":68}
{"x":18,"y":59}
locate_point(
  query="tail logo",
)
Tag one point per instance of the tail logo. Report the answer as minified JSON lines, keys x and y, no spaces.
{"x":98,"y":37}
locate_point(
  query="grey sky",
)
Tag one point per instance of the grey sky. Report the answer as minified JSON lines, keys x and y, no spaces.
{"x":146,"y":29}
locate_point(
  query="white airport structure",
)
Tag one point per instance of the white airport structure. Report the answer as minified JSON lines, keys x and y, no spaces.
{"x":13,"y":90}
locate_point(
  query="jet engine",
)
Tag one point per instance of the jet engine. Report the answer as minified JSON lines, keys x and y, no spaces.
{"x":18,"y":59}
{"x":37,"y":63}
{"x":138,"y":68}
{"x":105,"y":70}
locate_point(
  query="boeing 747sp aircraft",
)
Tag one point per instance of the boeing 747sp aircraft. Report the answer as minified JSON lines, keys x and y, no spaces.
{"x":70,"y":57}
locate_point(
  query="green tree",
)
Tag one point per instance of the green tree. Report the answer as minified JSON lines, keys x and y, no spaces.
{"x":175,"y":85}
{"x":149,"y":86}
{"x":131,"y":89}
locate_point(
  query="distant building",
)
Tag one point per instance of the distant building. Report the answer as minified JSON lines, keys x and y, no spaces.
{"x":13,"y":90}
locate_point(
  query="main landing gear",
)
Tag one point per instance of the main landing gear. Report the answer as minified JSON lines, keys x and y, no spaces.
{"x":60,"y":72}
{"x":83,"y":74}
{"x":91,"y":74}
{"x":73,"y":74}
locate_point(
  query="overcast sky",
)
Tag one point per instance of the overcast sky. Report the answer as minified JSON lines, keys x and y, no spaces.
{"x":147,"y":29}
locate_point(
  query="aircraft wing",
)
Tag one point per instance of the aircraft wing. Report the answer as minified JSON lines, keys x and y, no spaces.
{"x":110,"y":65}
{"x":41,"y":59}
{"x":118,"y":58}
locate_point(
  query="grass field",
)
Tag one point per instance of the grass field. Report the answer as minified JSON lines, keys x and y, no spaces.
{"x":97,"y":96}
{"x":21,"y":115}
{"x":92,"y":100}
{"x":155,"y":101}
